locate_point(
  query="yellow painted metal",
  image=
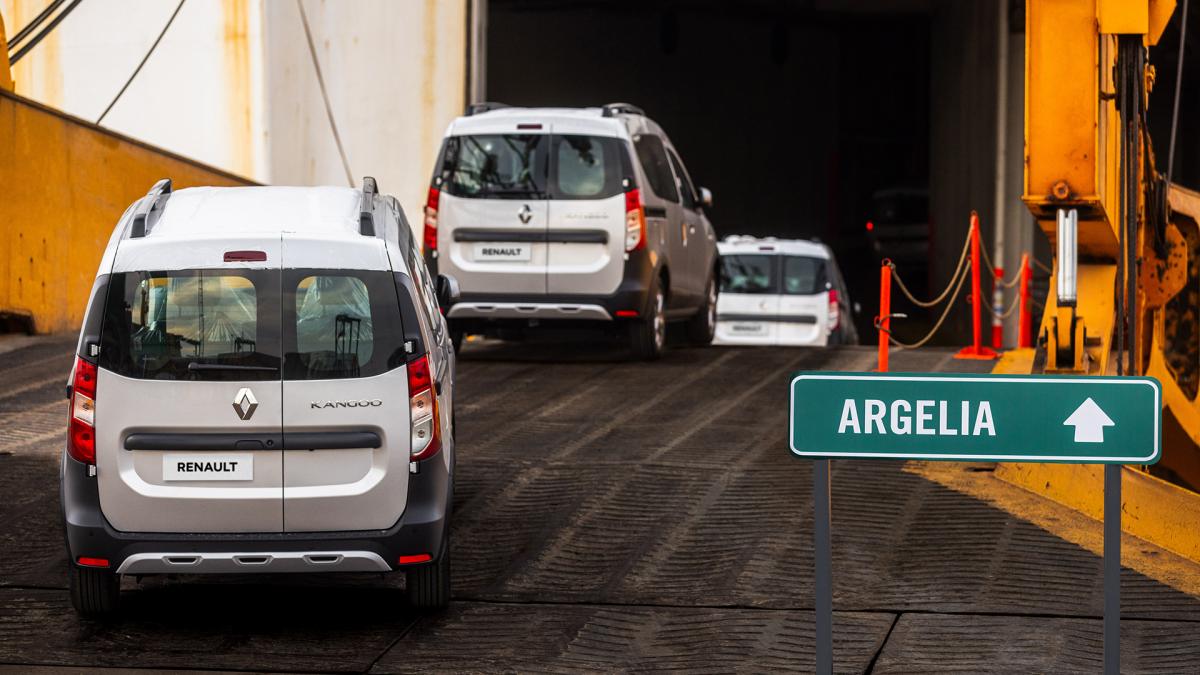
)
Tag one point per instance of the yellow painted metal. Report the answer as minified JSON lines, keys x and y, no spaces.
{"x":6,"y":81}
{"x":1160,"y":15}
{"x":1070,"y":128}
{"x":1117,"y":17}
{"x":64,"y":183}
{"x":1153,"y":509}
{"x":1095,"y":284}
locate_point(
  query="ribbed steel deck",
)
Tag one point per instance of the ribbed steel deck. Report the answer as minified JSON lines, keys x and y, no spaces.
{"x":615,"y":515}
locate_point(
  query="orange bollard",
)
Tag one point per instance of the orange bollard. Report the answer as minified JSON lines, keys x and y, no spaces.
{"x":998,"y":306}
{"x":976,"y":350}
{"x":885,"y":311}
{"x":1025,"y":327}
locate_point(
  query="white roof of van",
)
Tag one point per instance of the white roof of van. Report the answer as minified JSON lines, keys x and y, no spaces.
{"x":259,"y":210}
{"x":561,"y":120}
{"x":300,"y":227}
{"x":768,"y":245}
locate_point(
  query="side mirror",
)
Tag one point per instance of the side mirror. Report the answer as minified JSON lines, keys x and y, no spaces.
{"x":706,"y":197}
{"x":447,"y":290}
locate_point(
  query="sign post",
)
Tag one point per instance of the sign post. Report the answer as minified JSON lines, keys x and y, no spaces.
{"x":993,"y":418}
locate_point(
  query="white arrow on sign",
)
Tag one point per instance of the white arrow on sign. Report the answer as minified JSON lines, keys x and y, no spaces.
{"x":1089,"y":422}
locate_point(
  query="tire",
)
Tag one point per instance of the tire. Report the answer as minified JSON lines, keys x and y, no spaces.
{"x":429,"y":585}
{"x":95,"y":593}
{"x":456,"y":338}
{"x":702,"y":327}
{"x":648,"y":336}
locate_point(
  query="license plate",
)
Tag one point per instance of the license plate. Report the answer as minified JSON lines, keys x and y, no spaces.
{"x":502,"y":252}
{"x":212,"y":466}
{"x":747,"y":328}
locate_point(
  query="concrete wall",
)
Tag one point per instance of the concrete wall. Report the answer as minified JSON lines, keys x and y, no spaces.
{"x":232,"y":83}
{"x":395,"y":73}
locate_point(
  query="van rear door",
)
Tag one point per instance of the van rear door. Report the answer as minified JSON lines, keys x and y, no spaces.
{"x":749,"y":300}
{"x":188,"y":398}
{"x":345,"y":396}
{"x":586,"y":235}
{"x":804,"y":303}
{"x":492,"y":211}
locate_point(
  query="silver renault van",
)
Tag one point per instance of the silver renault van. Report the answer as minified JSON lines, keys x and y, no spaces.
{"x":580,"y":215}
{"x":238,"y":399}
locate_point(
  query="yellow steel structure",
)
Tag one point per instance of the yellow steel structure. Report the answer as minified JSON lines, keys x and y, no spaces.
{"x":1073,"y":150}
{"x":65,"y":182}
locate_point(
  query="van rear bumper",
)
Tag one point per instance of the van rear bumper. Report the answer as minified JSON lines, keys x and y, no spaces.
{"x":632,"y":295}
{"x":419,"y":531}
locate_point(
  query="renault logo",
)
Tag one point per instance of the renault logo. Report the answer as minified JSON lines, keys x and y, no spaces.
{"x":244,"y":404}
{"x":525,"y":214}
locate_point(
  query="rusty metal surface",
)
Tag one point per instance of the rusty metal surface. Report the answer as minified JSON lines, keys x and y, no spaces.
{"x":66,"y":182}
{"x":610,"y":515}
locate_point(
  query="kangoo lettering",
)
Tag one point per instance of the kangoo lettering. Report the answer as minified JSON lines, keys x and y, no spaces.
{"x":373,"y":403}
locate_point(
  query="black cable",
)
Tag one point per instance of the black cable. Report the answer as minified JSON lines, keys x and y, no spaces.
{"x":32,"y":25}
{"x":143,"y":62}
{"x":45,"y":31}
{"x":1178,"y":89}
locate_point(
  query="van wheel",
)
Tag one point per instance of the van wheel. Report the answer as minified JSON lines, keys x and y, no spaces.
{"x":95,"y":593}
{"x":429,"y":585}
{"x":703,"y":326}
{"x":648,"y":336}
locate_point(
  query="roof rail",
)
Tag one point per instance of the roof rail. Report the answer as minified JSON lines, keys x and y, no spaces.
{"x":152,"y":205}
{"x":612,"y":109}
{"x":482,"y":107}
{"x":366,"y":215}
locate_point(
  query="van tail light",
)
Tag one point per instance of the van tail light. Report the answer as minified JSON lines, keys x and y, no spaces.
{"x":835,"y":315}
{"x":431,"y":219}
{"x":81,"y":433}
{"x":635,"y":221}
{"x":422,"y":404}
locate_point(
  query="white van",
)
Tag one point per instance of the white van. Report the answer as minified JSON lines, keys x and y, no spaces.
{"x":263,"y":383}
{"x":582,"y":215}
{"x":781,"y":292}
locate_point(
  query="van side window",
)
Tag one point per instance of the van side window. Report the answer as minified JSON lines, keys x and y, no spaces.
{"x":340,"y":324}
{"x":686,"y":189}
{"x":653,"y":157}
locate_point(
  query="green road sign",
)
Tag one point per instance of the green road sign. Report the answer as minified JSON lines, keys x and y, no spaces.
{"x":996,"y":418}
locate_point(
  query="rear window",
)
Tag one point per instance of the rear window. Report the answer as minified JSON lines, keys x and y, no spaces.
{"x":753,"y":274}
{"x":534,"y":166}
{"x":497,"y":166}
{"x":587,"y":167}
{"x":772,"y":274}
{"x":192,"y":325}
{"x":340,"y":324}
{"x":232,"y":325}
{"x":803,"y":275}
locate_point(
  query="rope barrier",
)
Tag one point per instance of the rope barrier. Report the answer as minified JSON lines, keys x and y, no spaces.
{"x":960,"y":267}
{"x":941,"y":320}
{"x":1042,"y":266}
{"x":1012,"y":307}
{"x":997,"y":279}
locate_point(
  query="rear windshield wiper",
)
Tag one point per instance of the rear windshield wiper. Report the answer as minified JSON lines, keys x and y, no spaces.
{"x":227,"y":366}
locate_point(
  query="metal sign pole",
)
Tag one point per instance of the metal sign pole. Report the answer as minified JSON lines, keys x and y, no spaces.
{"x":822,"y":557}
{"x":1112,"y":569}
